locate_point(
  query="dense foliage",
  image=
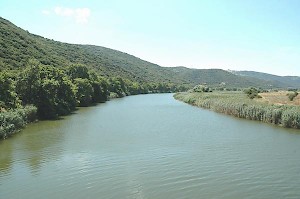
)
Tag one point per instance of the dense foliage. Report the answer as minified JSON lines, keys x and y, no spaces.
{"x":52,"y":92}
{"x":8,"y":95}
{"x":12,"y":121}
{"x":56,"y":91}
{"x":18,"y":46}
{"x":238,"y":105}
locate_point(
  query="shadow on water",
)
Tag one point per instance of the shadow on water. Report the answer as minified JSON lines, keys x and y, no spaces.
{"x":6,"y":157}
{"x":39,"y":142}
{"x":31,"y":147}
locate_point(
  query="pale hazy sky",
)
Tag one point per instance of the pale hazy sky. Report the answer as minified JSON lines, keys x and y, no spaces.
{"x":260,"y":35}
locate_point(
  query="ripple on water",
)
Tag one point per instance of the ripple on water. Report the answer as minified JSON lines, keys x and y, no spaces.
{"x":150,"y":147}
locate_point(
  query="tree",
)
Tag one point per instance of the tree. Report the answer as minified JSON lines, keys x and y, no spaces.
{"x":201,"y":88}
{"x":100,"y":86}
{"x":78,"y":71}
{"x":8,"y":96}
{"x":48,"y":88}
{"x":252,"y":93}
{"x":84,"y":91}
{"x":28,"y":82}
{"x":117,"y":85}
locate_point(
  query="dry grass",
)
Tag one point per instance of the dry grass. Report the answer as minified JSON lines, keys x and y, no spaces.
{"x":279,"y":98}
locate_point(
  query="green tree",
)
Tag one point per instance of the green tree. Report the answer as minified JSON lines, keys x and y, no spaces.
{"x":48,"y":88}
{"x":84,"y":91}
{"x":117,"y":85}
{"x":252,"y":93}
{"x":8,"y":96}
{"x":78,"y":71}
{"x":28,"y":83}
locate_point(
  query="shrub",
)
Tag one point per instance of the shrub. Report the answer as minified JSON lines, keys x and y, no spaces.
{"x":12,"y":121}
{"x":201,"y":88}
{"x":291,"y":96}
{"x":252,"y":93}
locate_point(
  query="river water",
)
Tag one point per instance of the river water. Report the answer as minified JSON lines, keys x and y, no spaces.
{"x":150,"y":146}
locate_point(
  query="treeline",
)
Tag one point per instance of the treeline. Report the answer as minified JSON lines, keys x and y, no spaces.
{"x":47,"y":92}
{"x":239,"y":105}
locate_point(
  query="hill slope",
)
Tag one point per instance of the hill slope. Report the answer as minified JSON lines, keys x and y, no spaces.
{"x":216,"y":77}
{"x":18,"y":45}
{"x":283,"y":81}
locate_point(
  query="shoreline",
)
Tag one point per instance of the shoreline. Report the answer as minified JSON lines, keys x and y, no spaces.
{"x":14,"y":128}
{"x":237,"y":105}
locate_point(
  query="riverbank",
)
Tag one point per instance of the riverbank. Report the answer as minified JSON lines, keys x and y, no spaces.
{"x":14,"y":120}
{"x":56,"y":92}
{"x":143,"y":145}
{"x":239,"y":105}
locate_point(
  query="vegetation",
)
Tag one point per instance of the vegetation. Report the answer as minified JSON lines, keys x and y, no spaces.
{"x":239,"y":105}
{"x":18,"y":46}
{"x":252,"y":93}
{"x":44,"y":79}
{"x":47,"y":92}
{"x":280,"y":98}
{"x":201,"y":88}
{"x":12,"y":121}
{"x":274,"y":81}
{"x":292,"y":96}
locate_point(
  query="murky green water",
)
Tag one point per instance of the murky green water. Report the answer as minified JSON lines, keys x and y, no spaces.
{"x":150,"y":146}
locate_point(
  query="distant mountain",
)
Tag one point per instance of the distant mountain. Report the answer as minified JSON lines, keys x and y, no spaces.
{"x":18,"y":45}
{"x":275,"y":80}
{"x":216,"y":77}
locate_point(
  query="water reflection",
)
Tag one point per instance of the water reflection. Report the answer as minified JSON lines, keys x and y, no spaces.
{"x":6,"y":157}
{"x":37,"y":144}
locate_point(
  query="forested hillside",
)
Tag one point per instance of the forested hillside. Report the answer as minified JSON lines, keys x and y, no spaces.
{"x":44,"y":79}
{"x":279,"y":81}
{"x":17,"y":46}
{"x":217,"y":77}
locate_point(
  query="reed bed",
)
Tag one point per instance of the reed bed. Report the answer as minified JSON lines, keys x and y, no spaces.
{"x":239,"y":105}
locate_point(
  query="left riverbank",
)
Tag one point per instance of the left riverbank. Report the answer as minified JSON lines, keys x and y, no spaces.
{"x":47,"y":92}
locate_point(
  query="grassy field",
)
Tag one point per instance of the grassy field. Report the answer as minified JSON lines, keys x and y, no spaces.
{"x":279,"y":98}
{"x":265,"y":109}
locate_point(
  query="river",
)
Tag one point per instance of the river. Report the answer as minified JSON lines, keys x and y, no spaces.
{"x":150,"y":146}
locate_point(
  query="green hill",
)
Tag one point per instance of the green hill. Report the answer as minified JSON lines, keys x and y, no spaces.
{"x":216,"y":77}
{"x":282,"y":81}
{"x":17,"y":46}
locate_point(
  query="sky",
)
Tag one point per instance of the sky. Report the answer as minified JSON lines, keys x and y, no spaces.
{"x":257,"y":35}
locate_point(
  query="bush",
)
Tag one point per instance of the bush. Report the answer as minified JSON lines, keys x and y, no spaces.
{"x":291,"y":96}
{"x":252,"y":93}
{"x":201,"y":88}
{"x":12,"y":121}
